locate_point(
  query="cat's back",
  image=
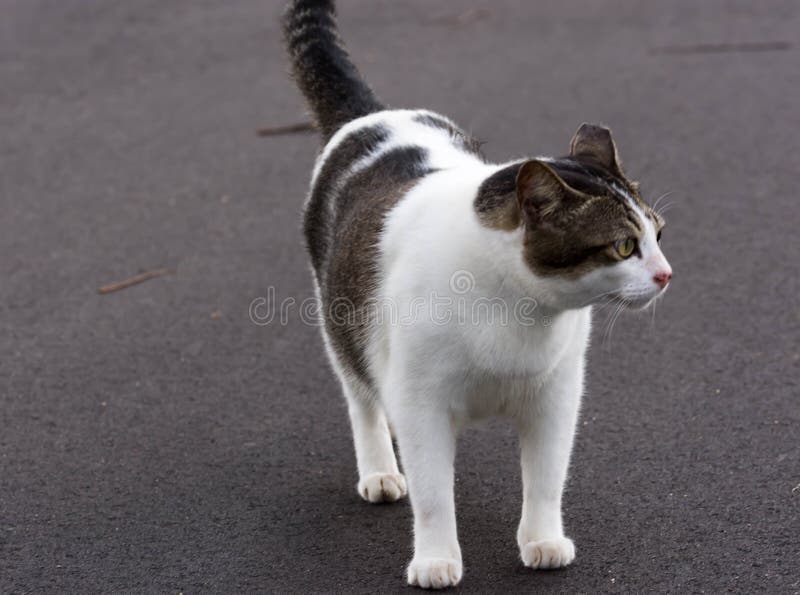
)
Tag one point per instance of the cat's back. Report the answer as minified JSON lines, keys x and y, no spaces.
{"x":367,"y":167}
{"x":362,"y":174}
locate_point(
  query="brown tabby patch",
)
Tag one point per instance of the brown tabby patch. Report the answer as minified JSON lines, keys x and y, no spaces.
{"x":353,"y":268}
{"x":496,"y":202}
{"x":460,"y":138}
{"x":318,"y":224}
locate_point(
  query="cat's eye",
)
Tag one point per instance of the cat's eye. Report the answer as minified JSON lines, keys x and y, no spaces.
{"x":625,"y":247}
{"x":658,"y":236}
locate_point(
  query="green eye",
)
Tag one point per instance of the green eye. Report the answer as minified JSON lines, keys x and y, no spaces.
{"x":625,"y":247}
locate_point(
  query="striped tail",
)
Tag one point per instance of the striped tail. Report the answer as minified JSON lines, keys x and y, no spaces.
{"x":322,"y":68}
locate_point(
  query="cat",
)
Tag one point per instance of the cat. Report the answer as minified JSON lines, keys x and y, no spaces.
{"x":403,"y":209}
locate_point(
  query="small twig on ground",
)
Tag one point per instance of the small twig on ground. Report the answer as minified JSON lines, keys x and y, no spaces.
{"x":723,"y":48}
{"x":111,"y":287}
{"x":465,"y":18}
{"x":300,"y":127}
{"x":796,"y":488}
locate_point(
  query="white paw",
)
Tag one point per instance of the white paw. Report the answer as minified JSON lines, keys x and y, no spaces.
{"x":434,"y":573}
{"x":382,"y":487}
{"x":548,"y":553}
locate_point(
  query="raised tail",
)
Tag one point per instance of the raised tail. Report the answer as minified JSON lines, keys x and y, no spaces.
{"x":322,"y":68}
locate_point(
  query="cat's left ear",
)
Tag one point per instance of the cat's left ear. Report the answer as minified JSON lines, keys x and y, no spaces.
{"x":541,"y":193}
{"x":596,"y":142}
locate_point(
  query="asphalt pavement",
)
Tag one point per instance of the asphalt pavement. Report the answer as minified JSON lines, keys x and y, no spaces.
{"x":156,"y":439}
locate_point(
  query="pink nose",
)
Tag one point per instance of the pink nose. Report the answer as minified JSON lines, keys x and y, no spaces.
{"x":662,"y":278}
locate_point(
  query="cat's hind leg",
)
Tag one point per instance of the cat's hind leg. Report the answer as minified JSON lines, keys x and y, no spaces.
{"x":379,"y":478}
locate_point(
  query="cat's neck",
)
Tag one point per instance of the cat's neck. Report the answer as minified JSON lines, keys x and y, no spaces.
{"x":437,"y":224}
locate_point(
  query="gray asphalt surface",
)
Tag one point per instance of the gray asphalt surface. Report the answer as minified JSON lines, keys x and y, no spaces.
{"x":157,"y":440}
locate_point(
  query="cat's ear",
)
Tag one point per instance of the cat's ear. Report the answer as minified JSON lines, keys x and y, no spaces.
{"x":540,"y":191}
{"x":596,"y":142}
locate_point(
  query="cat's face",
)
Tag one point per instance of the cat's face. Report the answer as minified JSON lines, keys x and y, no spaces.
{"x":587,"y":231}
{"x":632,"y":271}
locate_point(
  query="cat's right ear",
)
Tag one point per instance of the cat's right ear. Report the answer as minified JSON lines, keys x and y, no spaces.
{"x":540,"y":191}
{"x":596,"y":142}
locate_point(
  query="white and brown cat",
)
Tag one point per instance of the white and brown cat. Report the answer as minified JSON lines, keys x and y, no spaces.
{"x":401,"y":203}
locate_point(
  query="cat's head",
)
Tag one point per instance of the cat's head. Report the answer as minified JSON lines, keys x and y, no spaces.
{"x":587,"y":234}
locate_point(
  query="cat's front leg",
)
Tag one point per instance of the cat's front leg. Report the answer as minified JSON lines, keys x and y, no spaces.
{"x":426,"y":437}
{"x":547,"y":429}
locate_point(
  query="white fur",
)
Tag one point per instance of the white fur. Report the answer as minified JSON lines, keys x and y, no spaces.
{"x":436,"y":376}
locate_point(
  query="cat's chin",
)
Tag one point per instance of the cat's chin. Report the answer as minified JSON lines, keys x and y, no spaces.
{"x":640,"y":305}
{"x":635,"y":304}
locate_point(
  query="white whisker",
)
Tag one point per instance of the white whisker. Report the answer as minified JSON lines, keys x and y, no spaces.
{"x":659,"y":199}
{"x":666,"y":208}
{"x":611,"y":321}
{"x":653,"y":319}
{"x":598,"y":296}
